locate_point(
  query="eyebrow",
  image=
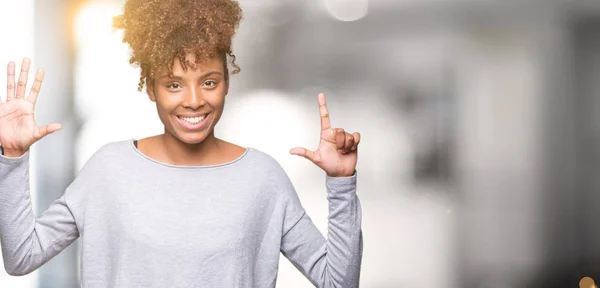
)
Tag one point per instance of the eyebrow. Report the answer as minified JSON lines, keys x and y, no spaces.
{"x":199,"y":77}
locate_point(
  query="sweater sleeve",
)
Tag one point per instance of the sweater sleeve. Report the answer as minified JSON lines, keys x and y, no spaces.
{"x":331,"y":262}
{"x":29,"y":242}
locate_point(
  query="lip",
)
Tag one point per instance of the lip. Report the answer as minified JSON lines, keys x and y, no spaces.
{"x":188,"y":126}
{"x":193,"y":115}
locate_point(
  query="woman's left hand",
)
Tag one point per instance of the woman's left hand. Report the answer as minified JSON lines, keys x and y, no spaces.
{"x":338,"y":150}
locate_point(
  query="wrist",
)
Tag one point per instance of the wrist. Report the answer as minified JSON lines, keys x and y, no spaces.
{"x":342,"y":174}
{"x":13,"y":153}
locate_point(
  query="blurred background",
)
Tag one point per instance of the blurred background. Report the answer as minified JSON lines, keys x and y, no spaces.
{"x":480,"y":125}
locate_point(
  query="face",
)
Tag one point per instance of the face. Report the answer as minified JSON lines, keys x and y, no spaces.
{"x":191,"y":103}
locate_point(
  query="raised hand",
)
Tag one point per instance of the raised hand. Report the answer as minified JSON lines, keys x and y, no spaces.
{"x":338,"y":150}
{"x":18,"y":130}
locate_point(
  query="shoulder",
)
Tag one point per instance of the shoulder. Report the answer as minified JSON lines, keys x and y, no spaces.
{"x":114,"y":148}
{"x":97,"y":173}
{"x":108,"y":153}
{"x":267,"y":168}
{"x":263,"y":161}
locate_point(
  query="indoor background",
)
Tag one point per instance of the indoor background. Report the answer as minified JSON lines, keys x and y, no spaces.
{"x":480,"y":125}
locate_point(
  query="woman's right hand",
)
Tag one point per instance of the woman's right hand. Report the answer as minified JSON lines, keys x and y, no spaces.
{"x":18,"y":130}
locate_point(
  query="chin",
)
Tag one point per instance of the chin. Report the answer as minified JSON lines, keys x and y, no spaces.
{"x":192,"y":139}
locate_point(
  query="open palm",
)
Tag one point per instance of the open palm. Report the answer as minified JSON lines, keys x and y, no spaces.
{"x":18,"y":130}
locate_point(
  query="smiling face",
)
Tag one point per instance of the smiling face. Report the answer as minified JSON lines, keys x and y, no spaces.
{"x":191,"y":103}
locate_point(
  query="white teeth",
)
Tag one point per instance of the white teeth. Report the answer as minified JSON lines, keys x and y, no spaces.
{"x":192,"y":120}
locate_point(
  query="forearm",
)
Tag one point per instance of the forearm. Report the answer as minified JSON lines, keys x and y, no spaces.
{"x":344,"y":237}
{"x":27,"y":242}
{"x":333,"y":261}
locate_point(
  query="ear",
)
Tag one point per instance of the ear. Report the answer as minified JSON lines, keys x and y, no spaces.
{"x":150,"y":90}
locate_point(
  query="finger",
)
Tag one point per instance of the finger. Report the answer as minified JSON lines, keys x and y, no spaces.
{"x":310,"y":155}
{"x":340,"y":138}
{"x":349,"y":143}
{"x":23,"y":78}
{"x":356,"y":136}
{"x":325,"y":124}
{"x":37,"y":85}
{"x":40,"y":133}
{"x":10,"y":81}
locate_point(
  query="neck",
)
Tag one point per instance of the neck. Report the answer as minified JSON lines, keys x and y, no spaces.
{"x":181,"y":153}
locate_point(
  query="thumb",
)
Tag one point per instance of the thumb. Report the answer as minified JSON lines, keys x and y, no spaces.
{"x":40,"y":133}
{"x":303,"y":152}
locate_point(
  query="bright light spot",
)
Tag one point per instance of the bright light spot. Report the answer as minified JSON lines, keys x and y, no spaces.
{"x":93,"y":24}
{"x":101,"y":58}
{"x":103,"y":74}
{"x":106,"y":96}
{"x":347,"y":10}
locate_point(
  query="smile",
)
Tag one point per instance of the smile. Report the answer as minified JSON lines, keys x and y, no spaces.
{"x":193,"y":122}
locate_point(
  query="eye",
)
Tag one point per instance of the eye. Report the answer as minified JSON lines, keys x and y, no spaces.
{"x":174,"y":86}
{"x":210,"y":84}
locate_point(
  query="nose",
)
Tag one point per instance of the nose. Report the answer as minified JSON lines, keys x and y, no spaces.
{"x":193,"y":99}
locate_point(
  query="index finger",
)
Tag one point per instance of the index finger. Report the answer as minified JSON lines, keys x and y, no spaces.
{"x":325,"y":124}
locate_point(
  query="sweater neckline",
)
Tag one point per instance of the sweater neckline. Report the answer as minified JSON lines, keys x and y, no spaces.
{"x":145,"y":157}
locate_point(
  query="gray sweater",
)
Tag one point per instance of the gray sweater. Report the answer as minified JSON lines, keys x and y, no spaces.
{"x":144,"y":223}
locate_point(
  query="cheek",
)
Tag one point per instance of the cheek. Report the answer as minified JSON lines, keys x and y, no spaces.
{"x":216,"y":100}
{"x":165,"y":107}
{"x":167,"y":102}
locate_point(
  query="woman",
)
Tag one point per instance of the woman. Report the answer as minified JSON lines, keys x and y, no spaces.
{"x":184,"y":208}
